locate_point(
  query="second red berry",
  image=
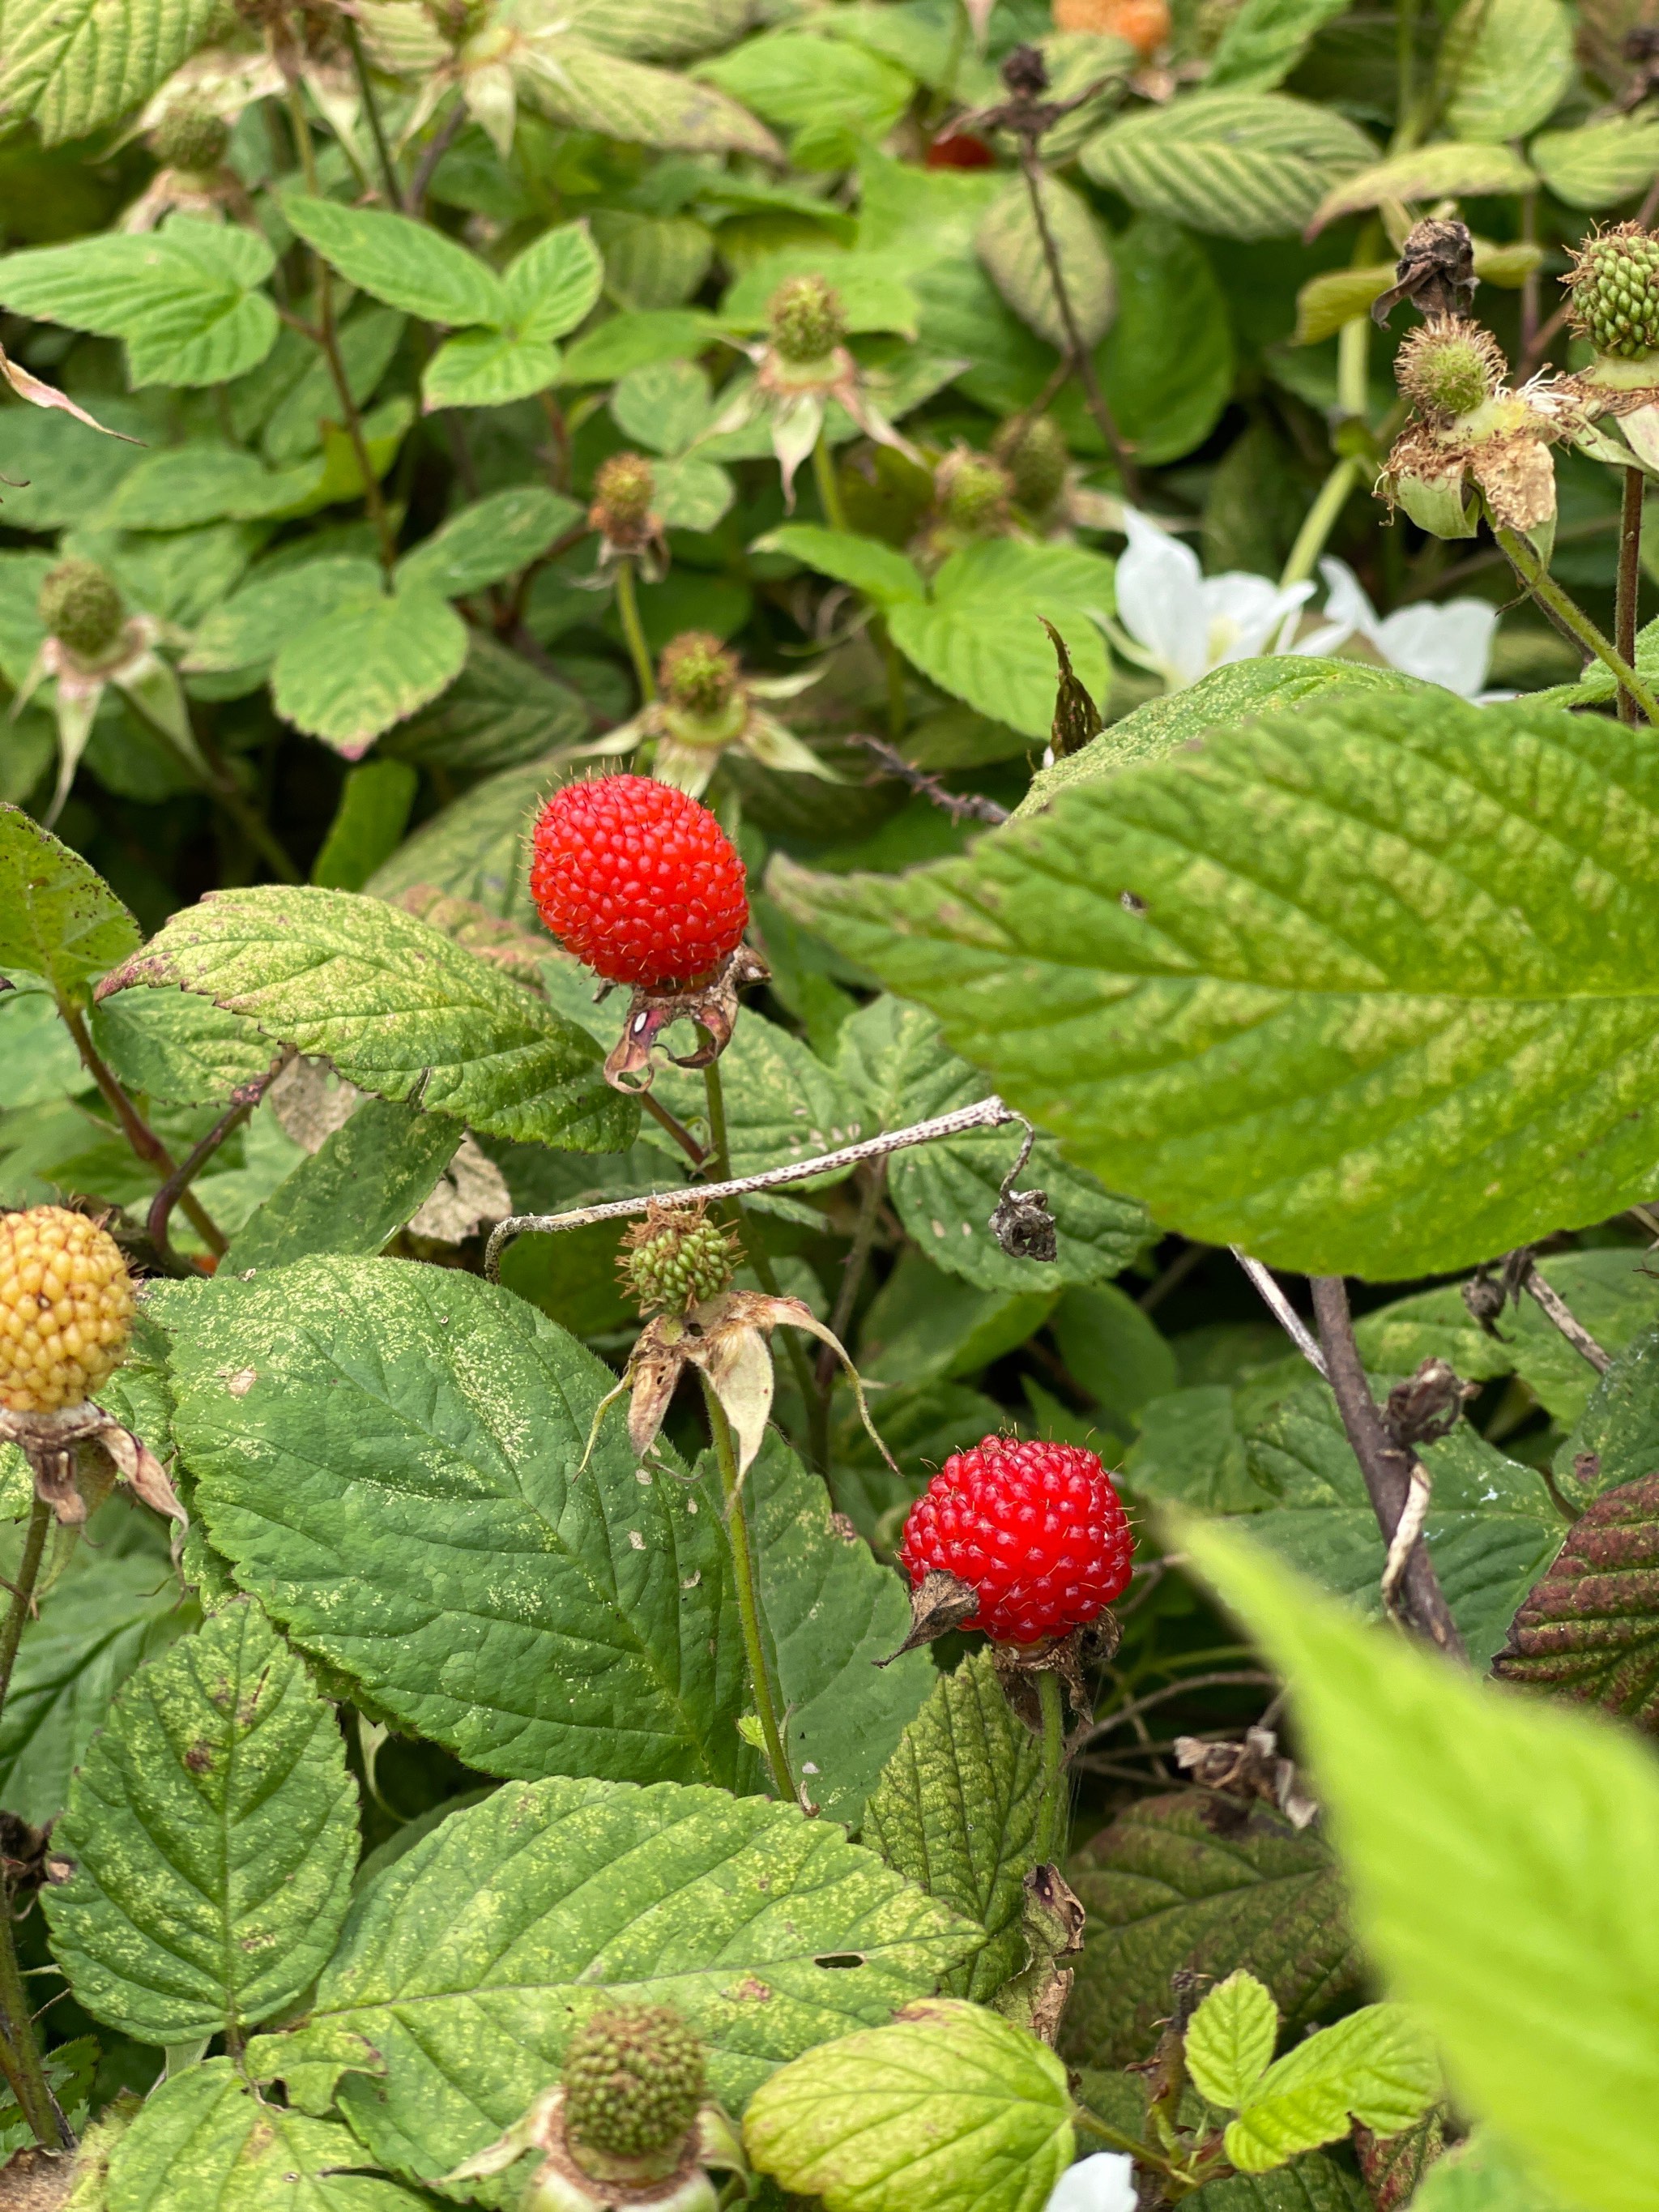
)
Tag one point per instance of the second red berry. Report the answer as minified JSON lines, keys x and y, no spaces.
{"x":1036,"y":1528}
{"x":638,"y":880}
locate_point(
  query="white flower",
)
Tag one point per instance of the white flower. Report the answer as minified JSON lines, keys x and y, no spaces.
{"x":1104,"y":2182}
{"x":1450,"y":644}
{"x":1182,"y":624}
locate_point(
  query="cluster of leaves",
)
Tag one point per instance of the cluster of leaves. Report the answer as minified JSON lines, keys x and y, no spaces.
{"x":324,"y":323}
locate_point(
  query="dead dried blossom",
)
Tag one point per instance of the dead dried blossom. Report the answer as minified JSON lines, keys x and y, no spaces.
{"x":713,"y":1005}
{"x":49,"y":1442}
{"x":1249,"y":1773}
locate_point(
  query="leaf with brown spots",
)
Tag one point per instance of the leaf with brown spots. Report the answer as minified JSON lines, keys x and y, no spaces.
{"x":1590,"y":1631}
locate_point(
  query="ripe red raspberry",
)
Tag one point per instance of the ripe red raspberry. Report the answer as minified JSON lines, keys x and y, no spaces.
{"x":1037,"y":1529}
{"x":638,"y":880}
{"x":960,"y":149}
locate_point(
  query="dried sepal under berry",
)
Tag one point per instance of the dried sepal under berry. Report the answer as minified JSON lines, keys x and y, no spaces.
{"x":65,"y":1309}
{"x":677,"y":1258}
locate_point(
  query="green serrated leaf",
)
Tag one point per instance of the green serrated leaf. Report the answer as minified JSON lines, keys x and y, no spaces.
{"x":664,"y":405}
{"x":893,"y":1056}
{"x":106,"y":1614}
{"x":1507,"y":1932}
{"x":478,"y":849}
{"x":58,"y":919}
{"x":795,"y":80}
{"x":409,"y":264}
{"x":464,"y":1968}
{"x":630,"y":341}
{"x":1598,"y":164}
{"x":1163,"y":1891}
{"x":1503,"y":66}
{"x":948,"y":2106}
{"x":1378,"y":2066}
{"x":554,"y":283}
{"x":490,"y":1571}
{"x":652,"y":262}
{"x":488,"y":368}
{"x":212,"y":1832}
{"x":70,"y":66}
{"x":492,"y":539}
{"x":252,"y":627}
{"x":182,"y":298}
{"x":1484,"y":2174}
{"x":364,"y":1182}
{"x":1616,"y":1439}
{"x":1166,"y":365}
{"x":646,"y":107}
{"x":881,"y":572}
{"x":1239,"y":164}
{"x":1313,"y":2183}
{"x":352,"y":675}
{"x":1230,"y":2043}
{"x":1467,"y":171}
{"x":312,"y":967}
{"x":174,"y":1046}
{"x":190,"y":485}
{"x":782,"y":1103}
{"x":499,"y":713}
{"x":1313,"y":1054}
{"x":1264,"y":41}
{"x":956,"y":1810}
{"x":981,"y":637}
{"x":1589,"y":1630}
{"x":1010,"y":244}
{"x":923,"y":1326}
{"x":206,"y":2142}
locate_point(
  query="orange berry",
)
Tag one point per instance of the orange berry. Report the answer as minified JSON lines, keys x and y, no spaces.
{"x":65,"y":1309}
{"x":1143,"y":24}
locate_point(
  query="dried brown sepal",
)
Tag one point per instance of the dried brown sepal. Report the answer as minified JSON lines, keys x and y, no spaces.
{"x":713,"y":1005}
{"x":1070,"y":1656}
{"x":1250,"y":1772}
{"x":939,"y":1603}
{"x":1428,"y":1404}
{"x":1077,"y":717}
{"x":1435,"y":271}
{"x":48,"y":1442}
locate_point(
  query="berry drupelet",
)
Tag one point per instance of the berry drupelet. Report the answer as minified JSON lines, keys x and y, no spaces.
{"x":65,"y":1309}
{"x":639,"y":881}
{"x":1037,"y":1529}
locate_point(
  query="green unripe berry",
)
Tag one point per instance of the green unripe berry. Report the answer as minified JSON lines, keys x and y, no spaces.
{"x":972,"y":492}
{"x":191,"y":137}
{"x":1449,"y":367}
{"x":1036,"y":457}
{"x":81,"y":607}
{"x":1614,"y":282}
{"x":634,"y":2078}
{"x":803,"y":320}
{"x":623,"y":489}
{"x":675,"y":1259}
{"x":698,"y":675}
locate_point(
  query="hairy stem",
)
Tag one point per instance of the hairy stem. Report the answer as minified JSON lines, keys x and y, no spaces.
{"x":718,"y":1157}
{"x":1082,"y":360}
{"x":1386,"y":1468}
{"x":1055,"y":1818}
{"x":627,"y":613}
{"x":26,"y":2072}
{"x":824,"y":475}
{"x":1630,"y":583}
{"x":137,"y":1131}
{"x":1567,"y":613}
{"x":748,"y":1602}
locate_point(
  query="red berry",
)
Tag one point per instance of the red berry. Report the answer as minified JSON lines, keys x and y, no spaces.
{"x":1037,"y":1529}
{"x":960,"y":149}
{"x":638,"y":880}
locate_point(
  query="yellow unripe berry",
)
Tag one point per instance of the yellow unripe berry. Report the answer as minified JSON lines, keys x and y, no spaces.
{"x":65,"y":1309}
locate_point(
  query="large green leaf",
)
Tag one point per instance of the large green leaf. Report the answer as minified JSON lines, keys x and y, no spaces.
{"x":1472,"y":171}
{"x":1502,"y":1856}
{"x":956,"y":1810}
{"x":1503,"y":66}
{"x":408,"y":264}
{"x":1165,"y":1891}
{"x":249,"y":629}
{"x":396,"y":1007}
{"x":488,"y":541}
{"x":362,"y":668}
{"x":1591,"y":1629}
{"x":1616,"y":1440}
{"x":1598,"y":164}
{"x":1311,"y":2183}
{"x":782,"y":1103}
{"x":1166,"y":365}
{"x":57,"y":918}
{"x":488,"y":368}
{"x":555,"y":282}
{"x":1265,"y":41}
{"x":1377,"y":2065}
{"x":464,"y":1968}
{"x":832,"y":1612}
{"x":894,"y":1057}
{"x":365,"y":1181}
{"x":1010,"y":244}
{"x":70,"y":66}
{"x":982,"y":636}
{"x":951,"y":2105}
{"x":172,"y":1045}
{"x":212,"y":1832}
{"x":423,"y":1431}
{"x":1342,"y":987}
{"x":881,"y":572}
{"x":646,"y":107}
{"x":206,"y":2142}
{"x":109,"y":1611}
{"x":182,"y":298}
{"x":1239,"y":164}
{"x":499,"y":713}
{"x":1230,"y":2039}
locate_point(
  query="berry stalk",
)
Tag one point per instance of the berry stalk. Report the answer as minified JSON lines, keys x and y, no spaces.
{"x":627,"y":613}
{"x":743,"y":1566}
{"x":824,"y":475}
{"x":1054,"y":1821}
{"x":1567,"y":615}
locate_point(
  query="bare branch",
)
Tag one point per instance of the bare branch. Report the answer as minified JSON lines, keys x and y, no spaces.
{"x":1282,"y":1311}
{"x":984,"y":1113}
{"x":960,"y":806}
{"x":1556,"y":1310}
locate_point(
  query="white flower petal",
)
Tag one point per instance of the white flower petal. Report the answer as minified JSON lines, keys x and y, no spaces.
{"x":1346,"y":599}
{"x":1160,"y":600}
{"x":1241,"y":612}
{"x":1450,"y":644}
{"x":1104,"y":2182}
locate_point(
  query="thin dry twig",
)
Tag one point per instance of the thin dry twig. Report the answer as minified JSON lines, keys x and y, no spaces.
{"x":959,"y":805}
{"x":1282,"y":1311}
{"x":1555,"y":1310}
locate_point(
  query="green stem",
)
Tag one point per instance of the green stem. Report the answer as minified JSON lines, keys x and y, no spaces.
{"x":26,"y":2071}
{"x":1319,"y":522}
{"x":1405,"y":121}
{"x":628,"y":611}
{"x":1142,"y":2153}
{"x":824,"y":475}
{"x":372,"y":109}
{"x":1571,"y":617}
{"x":1054,"y":1819}
{"x":748,"y":1603}
{"x":717,"y":1160}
